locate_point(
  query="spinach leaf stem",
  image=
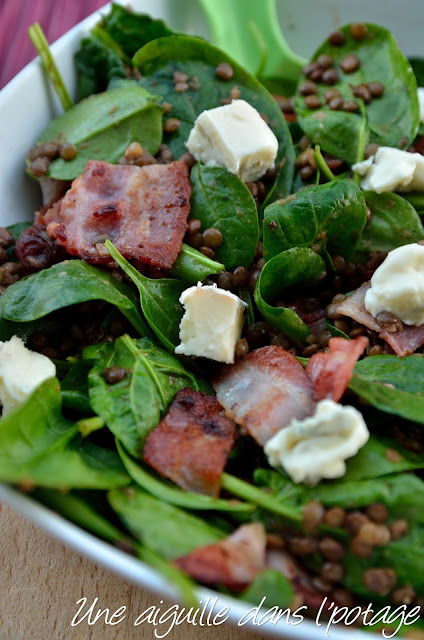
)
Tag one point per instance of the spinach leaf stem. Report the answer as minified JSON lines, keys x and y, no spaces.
{"x":39,"y":41}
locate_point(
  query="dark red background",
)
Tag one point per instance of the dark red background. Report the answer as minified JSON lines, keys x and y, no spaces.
{"x":55,"y":16}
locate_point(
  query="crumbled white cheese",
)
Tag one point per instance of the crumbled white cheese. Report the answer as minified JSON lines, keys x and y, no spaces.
{"x":235,"y":137}
{"x":398,"y":285}
{"x":315,"y":448}
{"x":392,"y":170}
{"x":21,"y":372}
{"x":421,"y":102}
{"x":212,"y":323}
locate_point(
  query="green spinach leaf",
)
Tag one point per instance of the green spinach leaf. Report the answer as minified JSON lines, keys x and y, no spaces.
{"x":329,"y":216}
{"x":148,"y":480}
{"x":79,"y":465}
{"x":162,"y":527}
{"x":64,"y":284}
{"x":158,"y":61}
{"x":402,"y":493}
{"x":390,"y":120}
{"x":393,"y":223}
{"x":295,"y":267}
{"x":391,"y":384}
{"x":74,"y":387}
{"x":192,"y":266}
{"x":221,"y":201}
{"x":134,"y":406}
{"x":159,"y":300}
{"x":96,"y":65}
{"x":131,"y":30}
{"x":40,"y":446}
{"x":417,"y":65}
{"x":79,"y":510}
{"x":271,"y":584}
{"x":102,"y":127}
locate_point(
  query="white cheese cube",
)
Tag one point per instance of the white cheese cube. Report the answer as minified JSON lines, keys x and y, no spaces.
{"x":398,"y":285}
{"x":21,"y":372}
{"x":315,"y":448}
{"x":212,"y":323}
{"x":235,"y":137}
{"x":390,"y":170}
{"x":421,"y":102}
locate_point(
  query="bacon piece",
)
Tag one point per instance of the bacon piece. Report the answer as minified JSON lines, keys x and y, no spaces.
{"x":191,"y":444}
{"x":264,"y":391}
{"x":331,"y":372}
{"x":406,"y":341}
{"x":233,"y":562}
{"x":354,"y":307}
{"x":403,"y":342}
{"x":142,"y":210}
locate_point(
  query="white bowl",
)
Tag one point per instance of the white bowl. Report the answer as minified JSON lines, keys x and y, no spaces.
{"x":27,"y":104}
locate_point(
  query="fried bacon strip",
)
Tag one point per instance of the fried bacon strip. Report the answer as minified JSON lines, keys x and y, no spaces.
{"x":233,"y":562}
{"x":264,"y":391}
{"x":190,"y":446}
{"x":331,"y":372}
{"x":142,"y":210}
{"x":403,"y":341}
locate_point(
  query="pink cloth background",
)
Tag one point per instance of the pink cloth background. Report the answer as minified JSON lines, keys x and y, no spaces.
{"x":55,"y":16}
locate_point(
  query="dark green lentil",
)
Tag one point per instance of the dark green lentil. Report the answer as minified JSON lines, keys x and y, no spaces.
{"x":350,"y":63}
{"x":224,"y":71}
{"x":312,"y":102}
{"x":337,"y":38}
{"x":212,"y":238}
{"x":308,"y":88}
{"x":336,"y":103}
{"x":330,"y":76}
{"x":358,"y":30}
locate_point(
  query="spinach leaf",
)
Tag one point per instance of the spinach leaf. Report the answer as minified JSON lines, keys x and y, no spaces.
{"x":192,"y":266}
{"x":372,"y":460}
{"x":390,"y":120}
{"x":102,"y":127}
{"x":158,"y":61}
{"x":134,"y":406}
{"x":159,"y":300}
{"x":271,"y":584}
{"x":402,"y":493}
{"x":131,"y":30}
{"x":329,"y":216}
{"x":40,"y":446}
{"x":263,"y":499}
{"x":32,"y":430}
{"x":220,"y":200}
{"x":393,"y":223}
{"x":79,"y":510}
{"x":96,"y":65}
{"x":79,"y":465}
{"x":295,"y":267}
{"x":391,"y":384}
{"x":74,"y":387}
{"x":169,"y":531}
{"x":148,"y":480}
{"x":64,"y":284}
{"x":417,"y":65}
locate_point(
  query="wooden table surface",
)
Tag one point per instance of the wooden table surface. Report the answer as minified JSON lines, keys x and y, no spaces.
{"x":41,"y":581}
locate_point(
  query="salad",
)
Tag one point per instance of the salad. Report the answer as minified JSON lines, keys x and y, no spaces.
{"x":212,"y":329}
